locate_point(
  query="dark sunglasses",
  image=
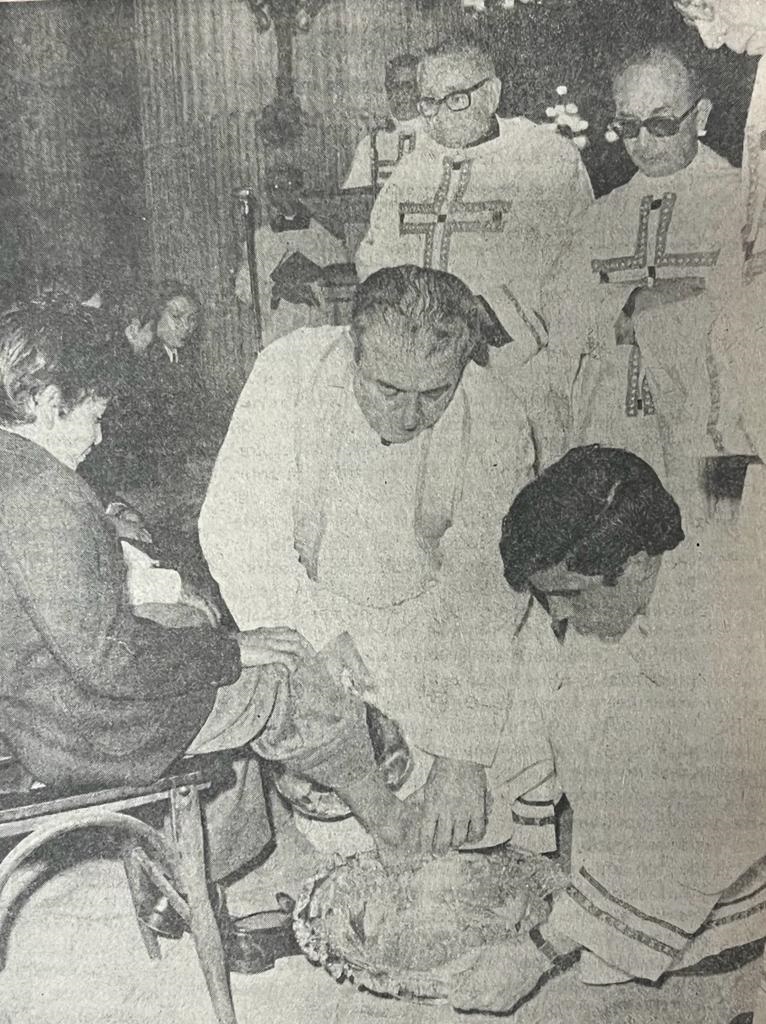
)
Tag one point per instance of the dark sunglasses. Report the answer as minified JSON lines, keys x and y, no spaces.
{"x":455,"y":101}
{"x":661,"y":126}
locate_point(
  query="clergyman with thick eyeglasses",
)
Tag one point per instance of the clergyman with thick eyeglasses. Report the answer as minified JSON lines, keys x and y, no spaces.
{"x":490,"y":199}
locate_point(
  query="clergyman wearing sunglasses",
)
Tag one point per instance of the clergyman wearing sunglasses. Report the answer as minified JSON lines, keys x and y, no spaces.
{"x":661,"y":116}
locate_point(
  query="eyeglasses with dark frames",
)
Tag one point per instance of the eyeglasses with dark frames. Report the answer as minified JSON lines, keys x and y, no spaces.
{"x":454,"y":101}
{"x":661,"y":126}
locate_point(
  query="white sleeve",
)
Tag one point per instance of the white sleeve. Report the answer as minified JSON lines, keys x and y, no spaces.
{"x":467,"y":653}
{"x":360,"y":172}
{"x":382,"y":245}
{"x":246,"y":523}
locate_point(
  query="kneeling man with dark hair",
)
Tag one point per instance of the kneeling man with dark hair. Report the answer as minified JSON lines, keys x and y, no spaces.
{"x":641,"y":700}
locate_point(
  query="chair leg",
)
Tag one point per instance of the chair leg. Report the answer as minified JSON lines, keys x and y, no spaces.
{"x":134,"y":875}
{"x":186,"y":820}
{"x":759,"y":1017}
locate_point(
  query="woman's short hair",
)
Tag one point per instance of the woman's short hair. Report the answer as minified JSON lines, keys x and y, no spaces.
{"x":592,"y":510}
{"x":431,"y":310}
{"x":56,"y":343}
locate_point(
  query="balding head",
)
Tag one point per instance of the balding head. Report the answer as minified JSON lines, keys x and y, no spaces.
{"x":660,"y":82}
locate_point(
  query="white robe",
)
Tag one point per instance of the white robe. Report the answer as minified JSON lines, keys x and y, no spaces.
{"x":657,"y":741}
{"x":271,"y":249}
{"x":739,"y":338}
{"x":653,"y":397}
{"x":390,"y":146}
{"x":427,"y":607}
{"x":496,"y":215}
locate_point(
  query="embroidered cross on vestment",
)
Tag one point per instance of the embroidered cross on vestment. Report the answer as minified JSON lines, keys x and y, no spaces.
{"x":382,"y":167}
{"x":640,"y":269}
{"x":449,"y":214}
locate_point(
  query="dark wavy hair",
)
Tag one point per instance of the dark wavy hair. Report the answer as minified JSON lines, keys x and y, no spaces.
{"x":53,"y":342}
{"x":431,"y":310}
{"x":592,"y":510}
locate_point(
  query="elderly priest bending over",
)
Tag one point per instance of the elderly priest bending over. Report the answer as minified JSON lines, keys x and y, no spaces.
{"x":360,"y":488}
{"x":643,"y":701}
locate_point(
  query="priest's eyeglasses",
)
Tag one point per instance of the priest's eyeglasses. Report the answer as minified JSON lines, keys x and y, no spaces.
{"x":454,"y":101}
{"x":661,"y":126}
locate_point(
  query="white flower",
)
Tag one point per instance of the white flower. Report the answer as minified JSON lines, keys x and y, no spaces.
{"x":561,"y":90}
{"x":610,"y":135}
{"x":580,"y":141}
{"x":571,"y":108}
{"x":478,"y":5}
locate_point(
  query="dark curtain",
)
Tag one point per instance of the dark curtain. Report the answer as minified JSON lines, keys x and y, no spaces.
{"x":71,"y":172}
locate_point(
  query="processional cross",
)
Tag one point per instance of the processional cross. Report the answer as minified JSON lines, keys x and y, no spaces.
{"x":282,"y":119}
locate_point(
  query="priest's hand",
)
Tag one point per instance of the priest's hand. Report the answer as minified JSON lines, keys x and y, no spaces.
{"x":272,"y":644}
{"x":495,"y":978}
{"x":454,"y":805}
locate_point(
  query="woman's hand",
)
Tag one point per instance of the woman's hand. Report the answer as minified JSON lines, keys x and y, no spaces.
{"x":273,"y":644}
{"x":128,"y":524}
{"x":203,"y":603}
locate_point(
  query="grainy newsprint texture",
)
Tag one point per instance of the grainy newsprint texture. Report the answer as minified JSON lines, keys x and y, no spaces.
{"x":381,"y":511}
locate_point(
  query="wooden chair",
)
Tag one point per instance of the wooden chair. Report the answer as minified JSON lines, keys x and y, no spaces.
{"x":175,"y":864}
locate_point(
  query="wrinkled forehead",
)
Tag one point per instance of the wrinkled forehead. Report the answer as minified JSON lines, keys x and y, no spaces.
{"x":396,"y":356}
{"x":560,"y":580}
{"x":661,"y":82}
{"x":438,"y":76}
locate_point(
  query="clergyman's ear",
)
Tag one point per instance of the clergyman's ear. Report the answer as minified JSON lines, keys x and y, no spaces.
{"x":494,"y":90}
{"x":487,"y":329}
{"x":703,"y":113}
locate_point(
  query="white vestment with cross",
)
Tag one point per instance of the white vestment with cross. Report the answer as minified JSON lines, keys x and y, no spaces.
{"x":380,"y":152}
{"x":653,"y":396}
{"x":496,"y":215}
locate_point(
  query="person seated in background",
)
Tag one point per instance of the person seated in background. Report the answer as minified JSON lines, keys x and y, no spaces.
{"x":158,"y":421}
{"x":378,"y":153}
{"x":634,"y":298}
{"x":641,"y":698}
{"x":93,"y":694}
{"x":161,"y":430}
{"x":491,"y":200}
{"x":357,"y":483}
{"x":291,"y":249}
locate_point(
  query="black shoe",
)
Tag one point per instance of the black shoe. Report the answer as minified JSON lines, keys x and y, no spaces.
{"x":168,"y":923}
{"x":254,"y":943}
{"x":742,"y":1018}
{"x":164,"y":920}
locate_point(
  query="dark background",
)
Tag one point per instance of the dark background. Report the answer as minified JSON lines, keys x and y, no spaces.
{"x":125,"y":124}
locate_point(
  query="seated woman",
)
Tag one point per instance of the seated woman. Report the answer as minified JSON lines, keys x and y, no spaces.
{"x":160,"y":421}
{"x":91,"y":693}
{"x":161,"y":431}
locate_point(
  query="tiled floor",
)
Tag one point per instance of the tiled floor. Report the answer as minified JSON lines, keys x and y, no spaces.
{"x":75,"y":957}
